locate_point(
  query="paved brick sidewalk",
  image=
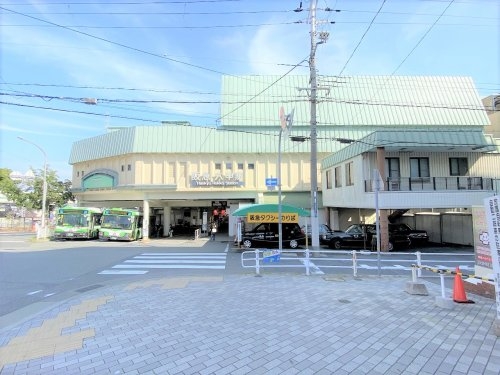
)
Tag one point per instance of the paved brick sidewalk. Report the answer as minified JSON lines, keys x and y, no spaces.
{"x":275,"y":324}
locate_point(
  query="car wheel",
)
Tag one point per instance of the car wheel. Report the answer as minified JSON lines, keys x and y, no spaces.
{"x":336,"y":244}
{"x":247,"y":243}
{"x":293,"y":244}
{"x":390,"y":246}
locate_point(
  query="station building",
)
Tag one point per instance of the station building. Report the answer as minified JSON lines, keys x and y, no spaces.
{"x":187,"y":176}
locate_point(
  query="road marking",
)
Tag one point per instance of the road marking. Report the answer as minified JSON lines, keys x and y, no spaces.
{"x":173,"y":266}
{"x":142,"y":263}
{"x":314,"y":269}
{"x":122,"y":272}
{"x":35,"y":292}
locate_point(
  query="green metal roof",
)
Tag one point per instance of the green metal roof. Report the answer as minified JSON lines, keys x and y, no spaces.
{"x":353,"y":101}
{"x":349,"y":107}
{"x":465,"y":140}
{"x":269,"y":208}
{"x":189,"y":140}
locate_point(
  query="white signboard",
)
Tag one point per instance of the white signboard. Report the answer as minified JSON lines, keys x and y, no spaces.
{"x":492,"y":208}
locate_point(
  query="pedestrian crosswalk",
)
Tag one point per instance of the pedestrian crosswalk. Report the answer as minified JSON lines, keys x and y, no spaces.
{"x":145,"y":262}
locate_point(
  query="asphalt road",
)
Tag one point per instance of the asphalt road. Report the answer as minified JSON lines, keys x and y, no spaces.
{"x":35,"y":275}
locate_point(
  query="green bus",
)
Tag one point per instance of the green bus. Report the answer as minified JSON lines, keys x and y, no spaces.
{"x":77,"y":222}
{"x":121,"y":224}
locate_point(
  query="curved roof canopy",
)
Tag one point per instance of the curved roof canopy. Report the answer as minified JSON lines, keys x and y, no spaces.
{"x":270,"y":208}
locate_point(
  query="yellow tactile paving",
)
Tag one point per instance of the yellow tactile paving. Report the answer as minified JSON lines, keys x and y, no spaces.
{"x":173,"y":282}
{"x":48,"y":338}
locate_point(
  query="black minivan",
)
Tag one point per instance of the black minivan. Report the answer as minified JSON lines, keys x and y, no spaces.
{"x":267,"y":235}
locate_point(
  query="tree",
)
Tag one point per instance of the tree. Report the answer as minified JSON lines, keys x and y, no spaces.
{"x":8,"y":187}
{"x":29,"y":193}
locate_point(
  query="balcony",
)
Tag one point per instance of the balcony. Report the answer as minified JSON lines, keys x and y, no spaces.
{"x":434,"y":184}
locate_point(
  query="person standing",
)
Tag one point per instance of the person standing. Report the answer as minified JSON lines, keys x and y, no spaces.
{"x":213,"y":230}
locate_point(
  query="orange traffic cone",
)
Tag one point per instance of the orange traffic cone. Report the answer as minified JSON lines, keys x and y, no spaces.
{"x":459,"y":295}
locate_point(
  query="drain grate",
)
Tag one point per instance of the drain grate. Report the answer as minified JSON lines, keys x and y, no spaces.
{"x":90,"y":287}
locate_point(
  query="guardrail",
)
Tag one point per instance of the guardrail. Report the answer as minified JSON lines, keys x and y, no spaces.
{"x":318,"y":259}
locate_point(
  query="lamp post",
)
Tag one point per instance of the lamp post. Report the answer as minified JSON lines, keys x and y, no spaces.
{"x":44,"y":194}
{"x":286,"y":123}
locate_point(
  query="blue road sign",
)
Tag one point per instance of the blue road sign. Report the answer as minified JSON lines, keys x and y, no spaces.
{"x":271,"y":181}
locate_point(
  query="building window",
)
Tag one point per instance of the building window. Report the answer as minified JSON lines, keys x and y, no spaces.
{"x":229,"y":166}
{"x":77,"y":173}
{"x":251,"y":166}
{"x":338,"y":177}
{"x":458,"y":167}
{"x":123,"y":168}
{"x":392,"y":168}
{"x":218,"y":166}
{"x":83,"y":172}
{"x":329,"y":179}
{"x":240,"y":166}
{"x":419,"y":167}
{"x":129,"y":167}
{"x":348,"y":174}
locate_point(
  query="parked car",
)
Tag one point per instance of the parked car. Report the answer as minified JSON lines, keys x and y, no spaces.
{"x":325,"y":233}
{"x":267,"y":235}
{"x":364,"y":236}
{"x":417,"y":237}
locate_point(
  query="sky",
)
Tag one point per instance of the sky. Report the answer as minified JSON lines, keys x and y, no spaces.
{"x":71,"y":69}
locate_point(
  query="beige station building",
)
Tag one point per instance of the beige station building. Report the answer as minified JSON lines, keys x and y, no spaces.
{"x":429,"y":139}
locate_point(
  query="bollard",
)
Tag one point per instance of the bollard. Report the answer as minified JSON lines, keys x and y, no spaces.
{"x":257,"y":264}
{"x":442,"y":301}
{"x":414,"y":287}
{"x":419,"y":263}
{"x":354,"y":264}
{"x":307,"y":262}
{"x":413,"y":274}
{"x":441,"y":276}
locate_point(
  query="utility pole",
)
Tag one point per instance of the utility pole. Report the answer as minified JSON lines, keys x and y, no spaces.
{"x":314,"y":151}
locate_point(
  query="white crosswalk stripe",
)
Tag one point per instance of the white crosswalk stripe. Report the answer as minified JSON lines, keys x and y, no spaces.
{"x":141,"y":264}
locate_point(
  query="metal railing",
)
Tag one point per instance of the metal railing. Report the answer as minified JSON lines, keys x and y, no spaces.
{"x":434,"y":183}
{"x":309,"y":260}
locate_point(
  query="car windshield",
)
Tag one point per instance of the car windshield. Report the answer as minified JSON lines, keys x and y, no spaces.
{"x":354,"y":229}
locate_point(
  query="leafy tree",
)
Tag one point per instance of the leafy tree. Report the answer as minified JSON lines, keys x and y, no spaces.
{"x":29,"y":193}
{"x":8,"y":187}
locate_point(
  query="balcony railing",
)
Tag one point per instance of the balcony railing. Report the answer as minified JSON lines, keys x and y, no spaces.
{"x":433,"y":184}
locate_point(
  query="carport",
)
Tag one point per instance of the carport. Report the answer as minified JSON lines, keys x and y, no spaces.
{"x":270,"y":213}
{"x":270,"y":208}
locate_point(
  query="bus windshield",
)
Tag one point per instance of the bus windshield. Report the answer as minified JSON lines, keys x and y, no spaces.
{"x":73,"y":220}
{"x":116,"y":222}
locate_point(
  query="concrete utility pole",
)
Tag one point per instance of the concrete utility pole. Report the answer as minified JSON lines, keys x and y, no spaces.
{"x":314,"y":158}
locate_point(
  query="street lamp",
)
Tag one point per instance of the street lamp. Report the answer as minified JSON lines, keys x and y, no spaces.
{"x":44,"y":194}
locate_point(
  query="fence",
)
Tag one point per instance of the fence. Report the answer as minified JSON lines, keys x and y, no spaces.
{"x":18,"y":224}
{"x":327,"y":259}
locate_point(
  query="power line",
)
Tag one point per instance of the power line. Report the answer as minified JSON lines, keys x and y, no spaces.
{"x":115,"y":43}
{"x":362,"y":37}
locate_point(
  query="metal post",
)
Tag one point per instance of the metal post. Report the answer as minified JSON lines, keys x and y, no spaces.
{"x":307,"y":262}
{"x":355,"y":263}
{"x":280,"y":220}
{"x":44,"y":194}
{"x":419,"y":263}
{"x":257,"y":264}
{"x":441,"y":275}
{"x":376,"y":177}
{"x":414,"y":274}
